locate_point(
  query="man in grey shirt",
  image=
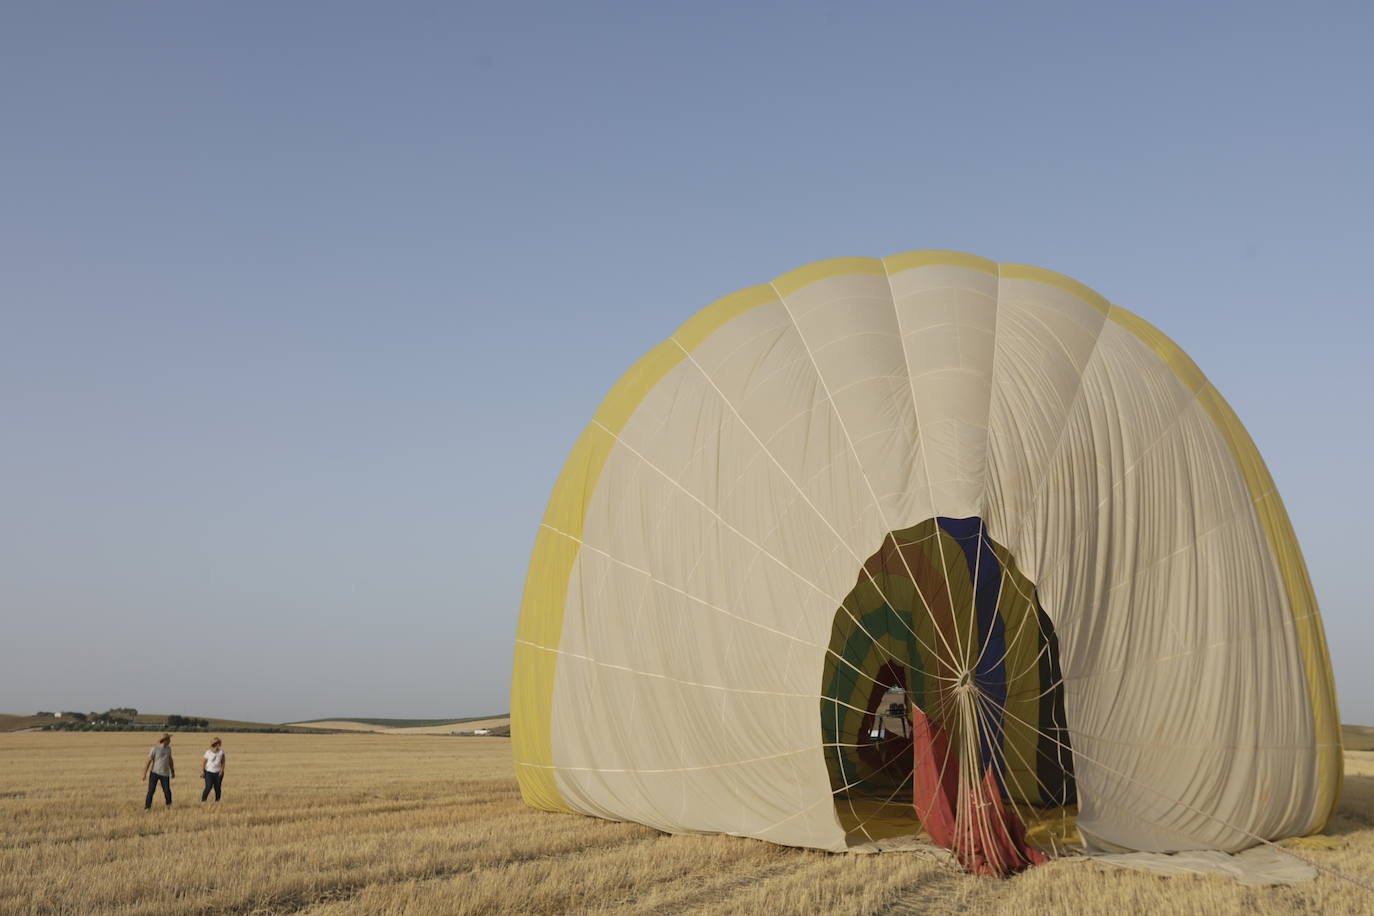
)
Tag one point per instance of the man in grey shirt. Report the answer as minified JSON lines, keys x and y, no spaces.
{"x":159,"y":768}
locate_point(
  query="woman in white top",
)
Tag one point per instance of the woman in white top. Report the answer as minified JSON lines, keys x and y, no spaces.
{"x":212,"y":770}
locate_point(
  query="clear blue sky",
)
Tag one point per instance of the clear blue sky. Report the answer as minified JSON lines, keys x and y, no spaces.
{"x":304,"y":304}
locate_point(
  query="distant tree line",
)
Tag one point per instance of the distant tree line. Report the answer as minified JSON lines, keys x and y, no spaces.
{"x":158,"y":727}
{"x":120,"y":717}
{"x":123,"y":718}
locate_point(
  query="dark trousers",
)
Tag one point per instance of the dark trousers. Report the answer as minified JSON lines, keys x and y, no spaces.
{"x":153,"y":780}
{"x":212,"y":781}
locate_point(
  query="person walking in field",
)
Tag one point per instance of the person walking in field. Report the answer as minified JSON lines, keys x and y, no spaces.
{"x":212,"y":770}
{"x":159,"y":768}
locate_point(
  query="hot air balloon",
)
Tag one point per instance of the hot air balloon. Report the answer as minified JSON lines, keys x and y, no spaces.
{"x":925,"y":544}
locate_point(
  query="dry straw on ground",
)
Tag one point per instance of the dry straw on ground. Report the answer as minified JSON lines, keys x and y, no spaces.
{"x":378,"y":824}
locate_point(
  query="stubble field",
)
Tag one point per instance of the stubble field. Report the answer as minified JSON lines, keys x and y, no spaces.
{"x":379,"y":824}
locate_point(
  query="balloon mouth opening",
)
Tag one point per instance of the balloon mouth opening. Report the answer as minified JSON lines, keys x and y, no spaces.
{"x":943,"y":702}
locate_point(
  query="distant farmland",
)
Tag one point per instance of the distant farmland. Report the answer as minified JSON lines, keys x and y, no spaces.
{"x":147,"y":722}
{"x":154,"y":721}
{"x":403,"y":723}
{"x":1357,"y":737}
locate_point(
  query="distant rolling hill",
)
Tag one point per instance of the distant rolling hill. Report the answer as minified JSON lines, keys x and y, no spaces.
{"x":152,"y":722}
{"x":1357,"y":737}
{"x":497,"y":723}
{"x":10,"y":723}
{"x":402,"y":723}
{"x":237,"y":724}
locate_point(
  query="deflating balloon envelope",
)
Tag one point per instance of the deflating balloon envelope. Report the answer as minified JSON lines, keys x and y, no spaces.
{"x":880,"y":504}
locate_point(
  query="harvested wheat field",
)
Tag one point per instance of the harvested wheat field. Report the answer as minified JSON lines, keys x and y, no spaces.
{"x":354,"y":824}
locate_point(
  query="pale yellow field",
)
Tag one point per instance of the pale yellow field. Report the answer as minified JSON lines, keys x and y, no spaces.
{"x":344,"y":725}
{"x":446,"y":729}
{"x":363,"y":824}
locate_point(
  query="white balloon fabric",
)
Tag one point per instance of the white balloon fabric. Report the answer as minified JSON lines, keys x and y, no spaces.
{"x":693,"y":589}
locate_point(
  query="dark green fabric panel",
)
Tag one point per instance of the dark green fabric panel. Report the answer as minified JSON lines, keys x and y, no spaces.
{"x":1051,"y":767}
